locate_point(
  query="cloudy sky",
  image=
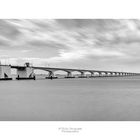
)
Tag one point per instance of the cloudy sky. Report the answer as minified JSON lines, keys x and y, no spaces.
{"x":72,"y":43}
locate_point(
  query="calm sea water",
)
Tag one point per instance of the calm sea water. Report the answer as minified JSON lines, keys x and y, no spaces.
{"x":92,"y":99}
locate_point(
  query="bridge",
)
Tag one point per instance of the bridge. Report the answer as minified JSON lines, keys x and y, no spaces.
{"x":27,"y":72}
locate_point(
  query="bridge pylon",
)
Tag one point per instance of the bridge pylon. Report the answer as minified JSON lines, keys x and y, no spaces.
{"x":25,"y":72}
{"x":5,"y":72}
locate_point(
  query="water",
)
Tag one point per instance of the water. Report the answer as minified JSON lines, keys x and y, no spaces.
{"x":92,"y":99}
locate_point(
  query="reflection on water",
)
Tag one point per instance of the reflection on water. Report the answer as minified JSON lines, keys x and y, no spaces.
{"x":116,"y":98}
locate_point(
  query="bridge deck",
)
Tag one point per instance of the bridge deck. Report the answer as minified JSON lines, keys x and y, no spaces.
{"x":67,"y":69}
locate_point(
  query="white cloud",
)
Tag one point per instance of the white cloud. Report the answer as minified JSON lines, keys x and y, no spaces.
{"x":70,"y":41}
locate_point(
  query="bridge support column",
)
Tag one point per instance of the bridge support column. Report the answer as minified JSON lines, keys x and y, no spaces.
{"x":69,"y":75}
{"x":82,"y":75}
{"x":105,"y":74}
{"x":100,"y":74}
{"x":115,"y":74}
{"x":119,"y":74}
{"x":123,"y":74}
{"x":51,"y":75}
{"x":25,"y":73}
{"x":92,"y":74}
{"x":5,"y":72}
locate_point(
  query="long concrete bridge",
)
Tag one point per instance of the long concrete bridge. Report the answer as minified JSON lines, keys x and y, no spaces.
{"x":27,"y":72}
{"x":82,"y":72}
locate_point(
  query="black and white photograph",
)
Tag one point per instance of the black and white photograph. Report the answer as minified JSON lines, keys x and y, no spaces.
{"x":69,"y":69}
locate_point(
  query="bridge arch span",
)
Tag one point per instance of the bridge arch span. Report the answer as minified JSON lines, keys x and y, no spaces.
{"x":41,"y":73}
{"x":62,"y":73}
{"x":49,"y":71}
{"x":88,"y":73}
{"x":81,"y":72}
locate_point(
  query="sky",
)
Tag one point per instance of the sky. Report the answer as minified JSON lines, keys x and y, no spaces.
{"x":98,"y":44}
